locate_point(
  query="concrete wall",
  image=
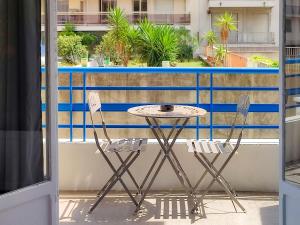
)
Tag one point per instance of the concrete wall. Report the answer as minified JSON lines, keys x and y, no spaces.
{"x":254,"y":168}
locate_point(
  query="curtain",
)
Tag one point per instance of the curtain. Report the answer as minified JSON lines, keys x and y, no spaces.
{"x":21,"y":141}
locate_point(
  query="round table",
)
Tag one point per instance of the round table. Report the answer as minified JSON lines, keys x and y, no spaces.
{"x":181,"y":115}
{"x":180,"y":111}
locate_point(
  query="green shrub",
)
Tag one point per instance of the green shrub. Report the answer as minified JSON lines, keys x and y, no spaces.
{"x":265,"y":60}
{"x":88,"y":39}
{"x":186,"y":44}
{"x":71,"y":49}
{"x":68,"y":30}
{"x":156,"y":43}
{"x":107,"y":50}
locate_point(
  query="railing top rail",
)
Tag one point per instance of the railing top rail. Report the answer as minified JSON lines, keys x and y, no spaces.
{"x":199,"y":70}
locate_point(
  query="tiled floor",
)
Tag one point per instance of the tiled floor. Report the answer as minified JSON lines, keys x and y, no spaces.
{"x":169,"y":209}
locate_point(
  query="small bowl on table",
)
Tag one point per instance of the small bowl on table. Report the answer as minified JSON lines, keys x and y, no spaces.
{"x":166,"y":108}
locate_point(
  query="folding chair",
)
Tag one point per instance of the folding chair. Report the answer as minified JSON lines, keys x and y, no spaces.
{"x":132,"y":145}
{"x":203,"y":148}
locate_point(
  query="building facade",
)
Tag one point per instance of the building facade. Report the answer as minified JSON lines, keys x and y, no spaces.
{"x":257,"y":20}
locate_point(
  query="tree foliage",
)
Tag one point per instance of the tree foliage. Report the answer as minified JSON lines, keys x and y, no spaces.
{"x":156,"y":43}
{"x":211,"y":38}
{"x":226,"y":23}
{"x":71,"y":49}
{"x":68,"y":30}
{"x":220,"y":55}
{"x":118,"y":43}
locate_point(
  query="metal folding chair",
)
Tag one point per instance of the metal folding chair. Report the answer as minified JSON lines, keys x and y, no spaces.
{"x":132,"y":145}
{"x":203,"y":148}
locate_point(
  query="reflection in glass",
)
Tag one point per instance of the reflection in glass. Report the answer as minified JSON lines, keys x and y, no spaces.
{"x":292,"y":95}
{"x":22,"y":156}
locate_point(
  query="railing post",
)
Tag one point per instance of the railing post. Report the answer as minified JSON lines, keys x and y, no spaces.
{"x":84,"y":106}
{"x":211,"y":97}
{"x":71,"y":105}
{"x":198,"y":103}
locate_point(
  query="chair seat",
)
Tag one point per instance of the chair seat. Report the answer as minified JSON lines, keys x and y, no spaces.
{"x":124,"y":145}
{"x":209,"y":147}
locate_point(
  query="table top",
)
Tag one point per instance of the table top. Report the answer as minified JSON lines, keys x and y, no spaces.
{"x":180,"y":111}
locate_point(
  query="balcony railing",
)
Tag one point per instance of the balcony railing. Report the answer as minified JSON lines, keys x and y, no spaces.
{"x":292,"y":52}
{"x":87,"y":18}
{"x":203,"y":82}
{"x":250,"y":37}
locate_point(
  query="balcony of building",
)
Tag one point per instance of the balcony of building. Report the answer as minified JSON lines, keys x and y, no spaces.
{"x":93,"y":14}
{"x":239,"y":38}
{"x":253,"y":27}
{"x":99,"y":20}
{"x":241,"y":4}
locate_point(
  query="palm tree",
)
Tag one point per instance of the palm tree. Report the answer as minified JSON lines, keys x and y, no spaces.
{"x":220,"y":55}
{"x":120,"y":29}
{"x":211,"y":39}
{"x":226,"y":23}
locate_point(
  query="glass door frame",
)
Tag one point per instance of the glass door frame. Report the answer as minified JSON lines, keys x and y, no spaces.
{"x":286,"y":188}
{"x":48,"y":188}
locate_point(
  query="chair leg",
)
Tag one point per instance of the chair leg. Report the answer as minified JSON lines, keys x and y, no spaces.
{"x":129,"y":173}
{"x":211,"y":165}
{"x":204,"y":173}
{"x":113,"y":176}
{"x":216,"y":178}
{"x":118,"y":178}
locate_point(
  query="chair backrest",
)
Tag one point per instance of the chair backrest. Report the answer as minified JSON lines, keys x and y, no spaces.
{"x":95,"y":106}
{"x":242,"y":110}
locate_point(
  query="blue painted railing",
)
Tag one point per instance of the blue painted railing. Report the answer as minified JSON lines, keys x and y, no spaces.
{"x":294,"y":65}
{"x":211,"y":107}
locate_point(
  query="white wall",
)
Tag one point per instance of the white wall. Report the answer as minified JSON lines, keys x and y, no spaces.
{"x":254,"y":168}
{"x":74,"y":4}
{"x":126,"y":5}
{"x":179,"y":6}
{"x":92,"y":6}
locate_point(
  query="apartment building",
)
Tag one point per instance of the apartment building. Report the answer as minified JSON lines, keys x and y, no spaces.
{"x":257,"y":20}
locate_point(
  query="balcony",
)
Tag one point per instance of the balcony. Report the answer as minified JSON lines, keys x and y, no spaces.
{"x":250,"y":38}
{"x":241,"y":4}
{"x":94,"y":19}
{"x":214,"y":89}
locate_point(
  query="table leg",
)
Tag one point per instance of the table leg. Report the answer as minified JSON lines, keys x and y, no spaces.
{"x":157,"y":157}
{"x":173,"y":155}
{"x":166,"y":149}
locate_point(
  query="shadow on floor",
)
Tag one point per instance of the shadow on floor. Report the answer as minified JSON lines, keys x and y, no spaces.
{"x":156,"y":209}
{"x":119,"y":210}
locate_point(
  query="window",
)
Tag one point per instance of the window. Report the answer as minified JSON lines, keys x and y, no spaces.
{"x":106,"y":5}
{"x":288,"y":25}
{"x":62,"y":5}
{"x":140,"y":6}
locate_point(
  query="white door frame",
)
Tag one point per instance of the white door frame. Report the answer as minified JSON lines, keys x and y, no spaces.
{"x":50,"y":187}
